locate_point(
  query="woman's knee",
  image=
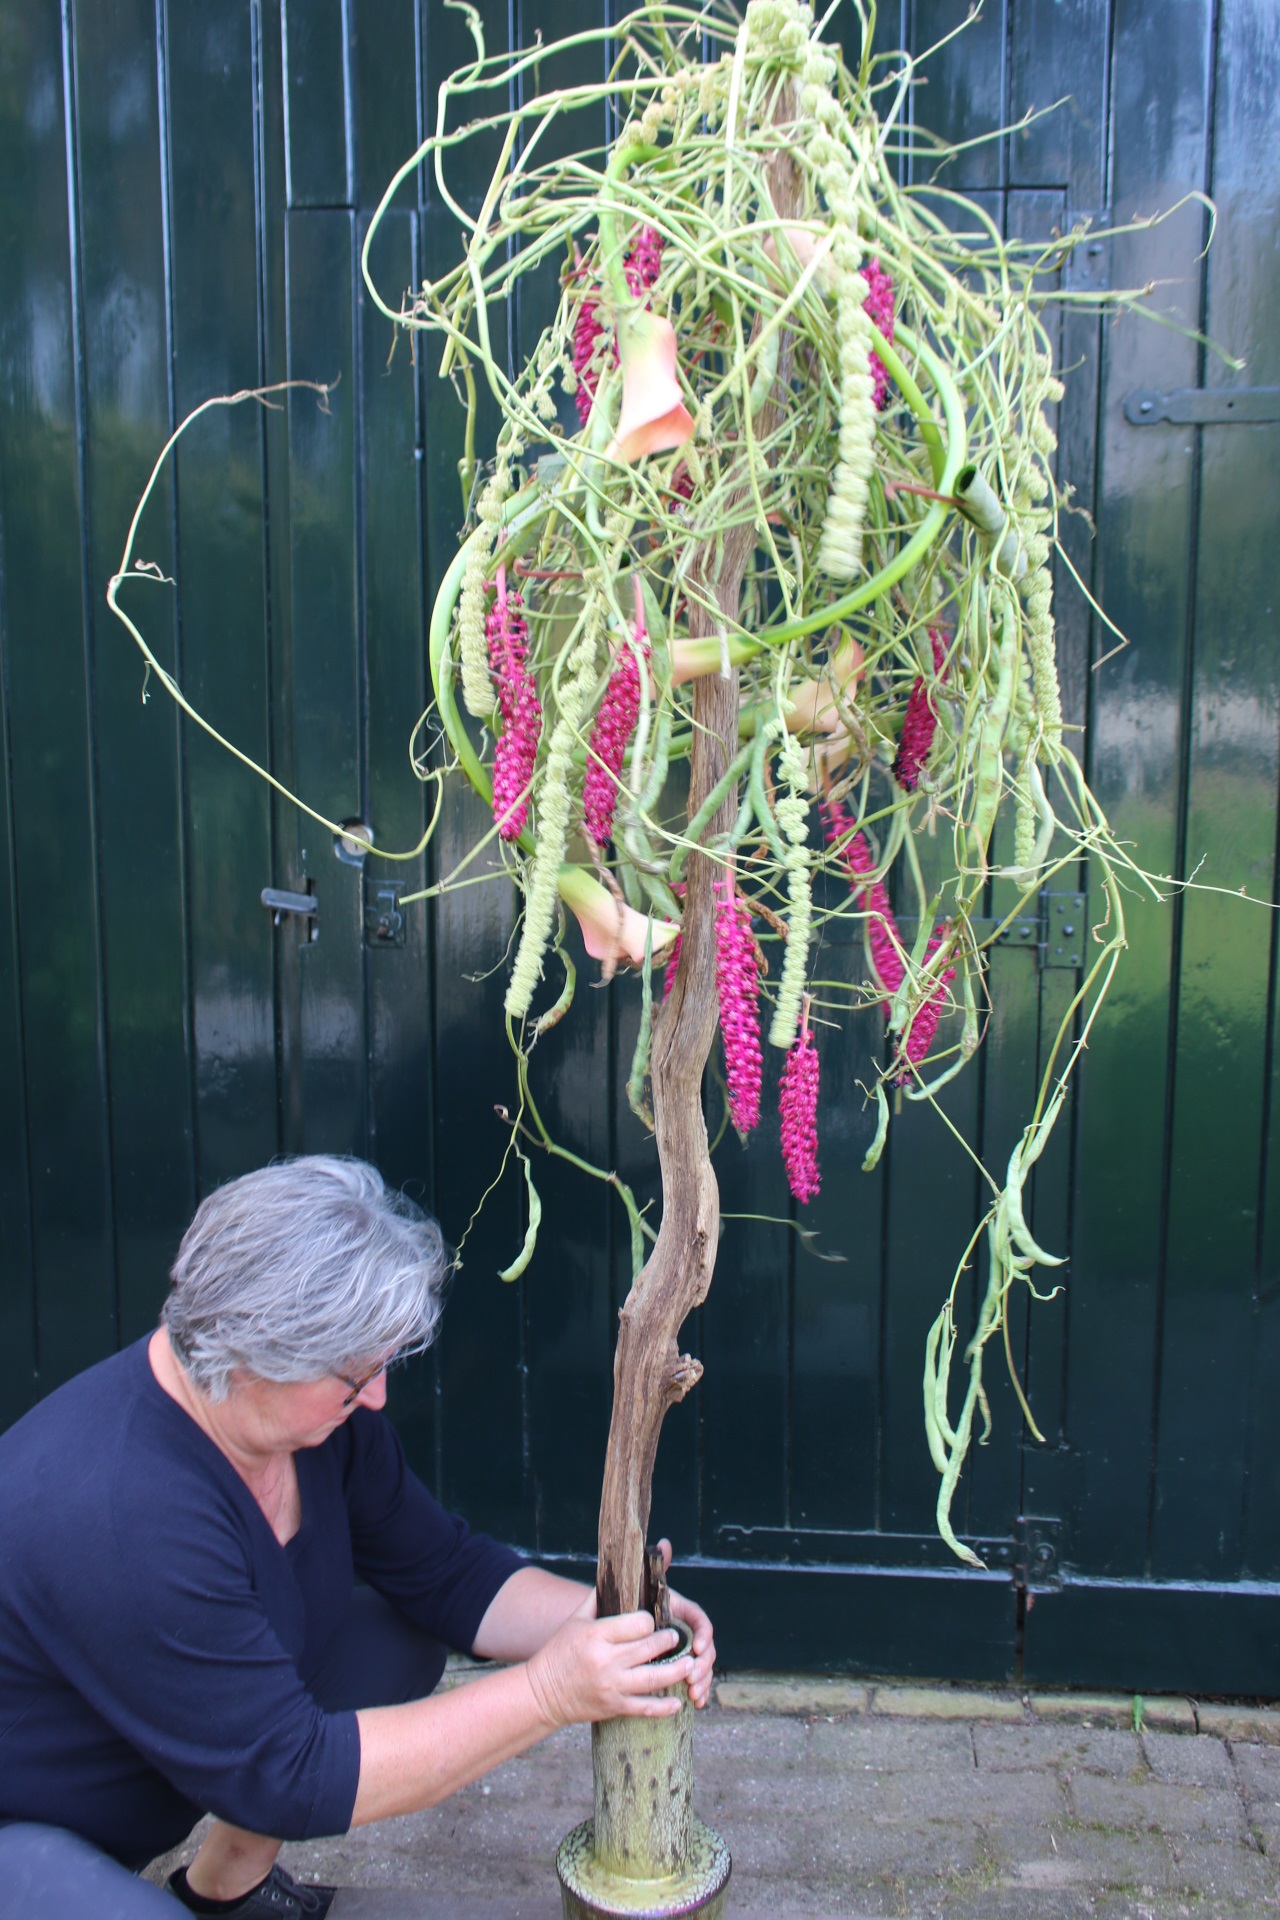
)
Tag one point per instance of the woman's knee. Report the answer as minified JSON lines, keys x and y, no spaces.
{"x":378,"y":1658}
{"x":49,"y":1872}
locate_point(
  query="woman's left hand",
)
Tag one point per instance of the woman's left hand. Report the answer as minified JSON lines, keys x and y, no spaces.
{"x":704,"y":1646}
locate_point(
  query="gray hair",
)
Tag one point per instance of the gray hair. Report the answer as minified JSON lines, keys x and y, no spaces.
{"x":303,"y":1269}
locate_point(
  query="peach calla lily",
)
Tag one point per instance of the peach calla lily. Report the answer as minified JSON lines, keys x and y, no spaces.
{"x":654,"y":418}
{"x":805,"y":248}
{"x":611,"y":931}
{"x":815,"y":710}
{"x":815,"y":706}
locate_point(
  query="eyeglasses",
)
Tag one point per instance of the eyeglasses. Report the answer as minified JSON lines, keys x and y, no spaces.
{"x":357,"y":1387}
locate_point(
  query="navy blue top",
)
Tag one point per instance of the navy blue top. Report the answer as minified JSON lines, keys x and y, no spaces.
{"x":156,"y":1638}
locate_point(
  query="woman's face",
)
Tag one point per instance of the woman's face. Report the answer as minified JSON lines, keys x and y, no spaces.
{"x":282,"y":1416}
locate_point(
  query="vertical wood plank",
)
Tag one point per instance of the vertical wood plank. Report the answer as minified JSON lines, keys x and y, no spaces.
{"x":49,"y":694}
{"x":123,"y":254}
{"x":17,"y":1292}
{"x":1059,"y":54}
{"x":959,"y":96}
{"x":483,"y":1465}
{"x":384,"y":110}
{"x":222,"y":583}
{"x":398,"y":990}
{"x":837,"y":1298}
{"x":318,"y":106}
{"x":327,"y":686}
{"x":1137,"y":721}
{"x":1224,"y":982}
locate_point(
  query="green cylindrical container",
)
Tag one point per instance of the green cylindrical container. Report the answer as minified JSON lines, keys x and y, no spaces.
{"x":645,"y":1854}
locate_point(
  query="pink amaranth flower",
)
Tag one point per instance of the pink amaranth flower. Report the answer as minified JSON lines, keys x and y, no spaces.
{"x":641,"y":267}
{"x":882,"y":936}
{"x":516,"y":748}
{"x":644,"y":262}
{"x":878,"y":306}
{"x":882,"y":933}
{"x":925,"y":1024}
{"x":738,"y":984}
{"x":615,"y":723}
{"x":920,"y":723}
{"x":798,"y":1109}
{"x":586,"y":332}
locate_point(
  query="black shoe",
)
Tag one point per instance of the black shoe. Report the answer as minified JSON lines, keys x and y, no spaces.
{"x":279,"y":1897}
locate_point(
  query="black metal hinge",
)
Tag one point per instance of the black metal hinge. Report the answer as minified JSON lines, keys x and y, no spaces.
{"x":1053,"y":928}
{"x":1062,"y":926}
{"x":1204,"y":407}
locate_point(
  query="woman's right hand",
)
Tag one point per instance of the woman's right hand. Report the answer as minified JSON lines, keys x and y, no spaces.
{"x":594,"y":1669}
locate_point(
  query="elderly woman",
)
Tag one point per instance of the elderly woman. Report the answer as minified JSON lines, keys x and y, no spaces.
{"x":181,"y":1530}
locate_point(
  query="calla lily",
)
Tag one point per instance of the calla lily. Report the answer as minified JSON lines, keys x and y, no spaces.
{"x":804,"y":245}
{"x":815,"y":705}
{"x":815,"y":710}
{"x":654,"y":418}
{"x":611,"y":931}
{"x":691,"y":659}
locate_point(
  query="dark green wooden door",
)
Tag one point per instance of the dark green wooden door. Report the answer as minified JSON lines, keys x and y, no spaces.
{"x":183,"y":196}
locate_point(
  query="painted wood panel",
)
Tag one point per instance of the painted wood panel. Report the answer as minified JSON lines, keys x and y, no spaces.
{"x":158,"y":1033}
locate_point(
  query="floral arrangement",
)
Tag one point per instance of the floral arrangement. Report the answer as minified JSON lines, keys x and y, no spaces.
{"x":750,"y":630}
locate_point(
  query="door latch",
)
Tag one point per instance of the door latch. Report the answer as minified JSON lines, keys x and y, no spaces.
{"x":304,"y":905}
{"x":384,"y":923}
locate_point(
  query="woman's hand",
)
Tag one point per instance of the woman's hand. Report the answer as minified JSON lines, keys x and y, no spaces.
{"x":704,"y":1646}
{"x":599,"y":1669}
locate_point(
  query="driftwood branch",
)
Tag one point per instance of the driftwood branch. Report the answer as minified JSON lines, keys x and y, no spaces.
{"x":650,"y":1373}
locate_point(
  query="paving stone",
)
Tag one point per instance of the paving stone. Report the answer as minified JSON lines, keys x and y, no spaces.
{"x":1000,"y":1903}
{"x":1259,"y":1768}
{"x":1189,"y":1763}
{"x":773,"y":1693}
{"x":946,"y":1703}
{"x":399,"y":1903}
{"x":985,"y":1798}
{"x":1258,"y":1772}
{"x":1072,"y":1749}
{"x":892,"y":1746}
{"x":1086,"y":1709}
{"x":1211,"y":1871}
{"x":1254,"y":1724}
{"x":1066,"y":1854}
{"x":1155,"y":1806}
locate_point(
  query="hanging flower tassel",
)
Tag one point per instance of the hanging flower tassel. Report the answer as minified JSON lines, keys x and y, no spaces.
{"x":586,"y":334}
{"x":878,"y":307}
{"x":516,"y":749}
{"x":644,"y":262}
{"x":924,"y":1026}
{"x":738,"y":985}
{"x":798,"y":1110}
{"x":883,"y":943}
{"x":920,"y":723}
{"x":615,"y":722}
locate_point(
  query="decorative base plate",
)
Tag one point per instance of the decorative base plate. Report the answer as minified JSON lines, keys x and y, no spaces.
{"x":591,"y":1891}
